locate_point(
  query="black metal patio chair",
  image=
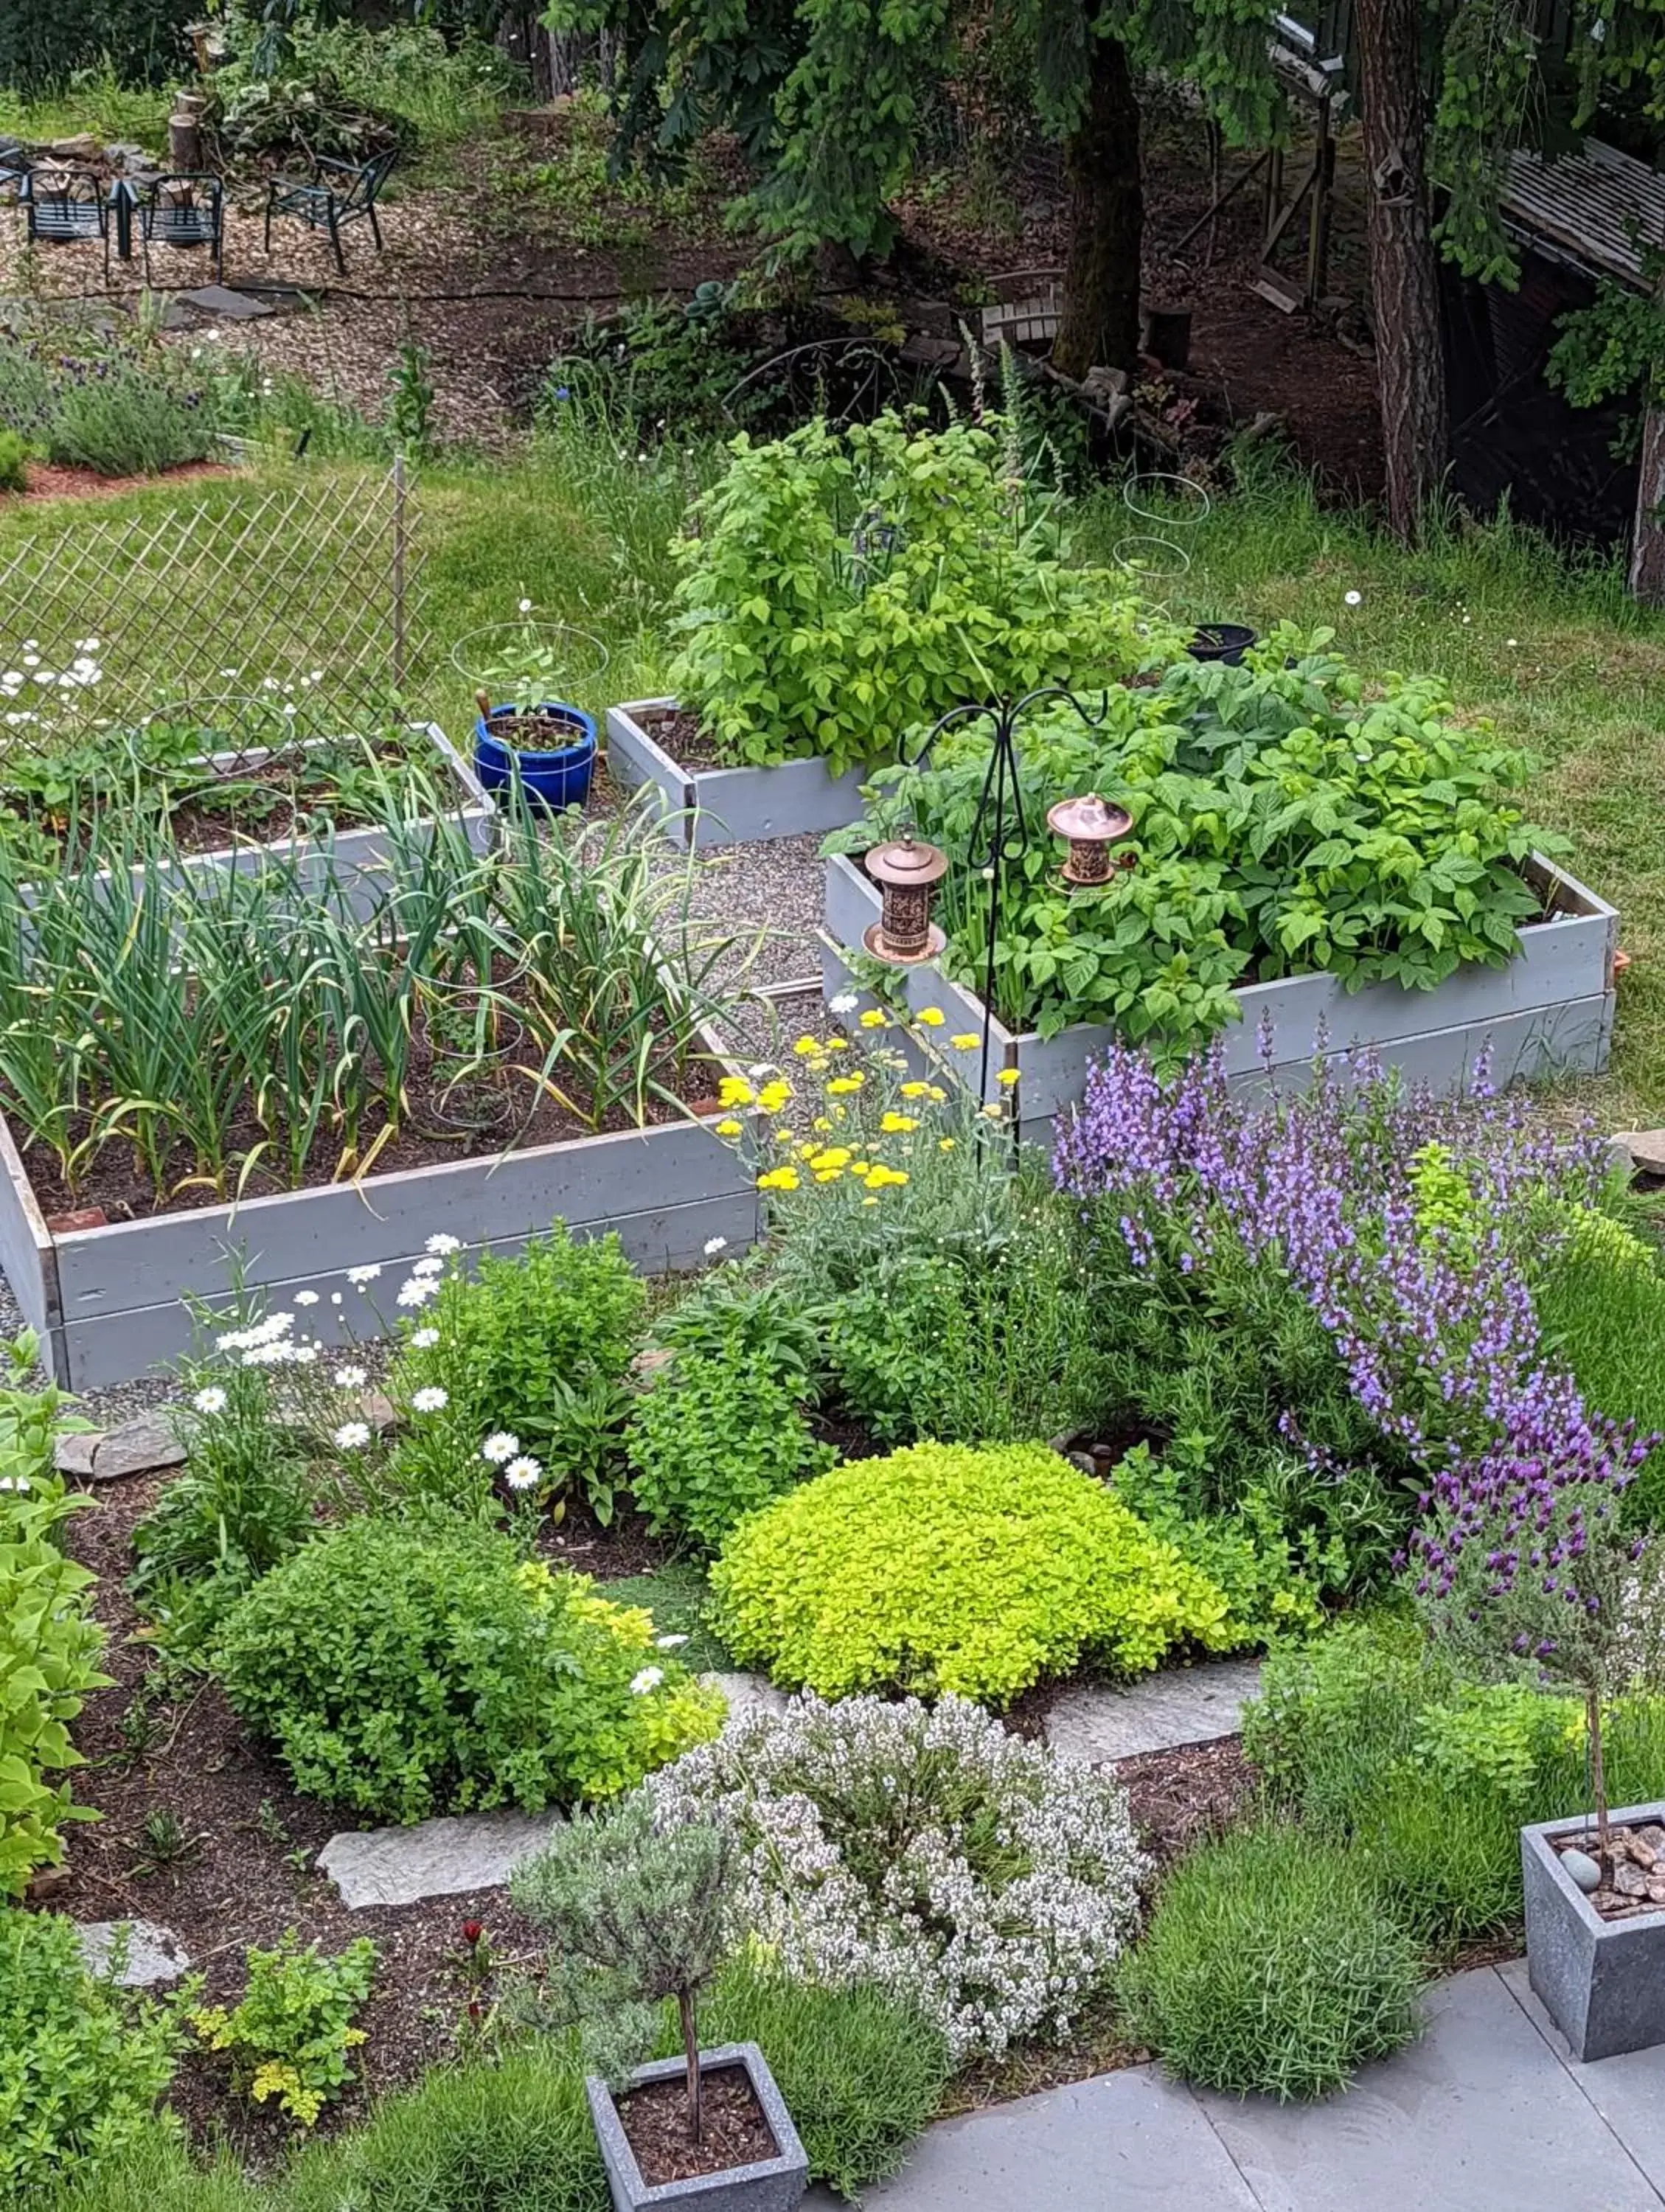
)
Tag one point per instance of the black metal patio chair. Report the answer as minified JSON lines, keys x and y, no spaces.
{"x":184,"y":208}
{"x":334,"y":195}
{"x":66,"y":206}
{"x":15,"y":166}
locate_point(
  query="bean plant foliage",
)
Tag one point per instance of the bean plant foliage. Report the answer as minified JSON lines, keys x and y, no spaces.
{"x":842,"y":588}
{"x":1285,"y":818}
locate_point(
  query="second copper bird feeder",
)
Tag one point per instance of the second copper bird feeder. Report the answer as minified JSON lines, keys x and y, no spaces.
{"x":907,"y":872}
{"x":1090,"y":827}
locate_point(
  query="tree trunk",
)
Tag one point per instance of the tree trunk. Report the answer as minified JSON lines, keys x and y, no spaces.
{"x":691,"y":2044}
{"x":1598,"y":1777}
{"x":1410,"y":366}
{"x":1099,"y":326}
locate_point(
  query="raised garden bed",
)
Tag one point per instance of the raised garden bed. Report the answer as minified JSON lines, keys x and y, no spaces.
{"x":106,"y":1297}
{"x":1548,"y":1012}
{"x":353,"y":856}
{"x":649,"y":742}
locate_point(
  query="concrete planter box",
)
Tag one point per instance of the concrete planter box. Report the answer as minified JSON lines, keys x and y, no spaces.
{"x":1602,"y":1982}
{"x":1548,"y":1012}
{"x":106,"y":1300}
{"x":773,"y":2184}
{"x":354,"y":859}
{"x":702,"y":807}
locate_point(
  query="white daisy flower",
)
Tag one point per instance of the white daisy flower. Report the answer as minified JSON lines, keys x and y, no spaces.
{"x":522,"y":1474}
{"x":431,"y":1266}
{"x":431,"y":1400}
{"x":351,"y":1436}
{"x":526,"y":606}
{"x":349,"y":1378}
{"x":306,"y":1297}
{"x":443,"y":1243}
{"x":360,"y":1276}
{"x":425,"y":1339}
{"x":499,"y":1447}
{"x":211,"y":1400}
{"x":649,"y":1679}
{"x":418,"y":1292}
{"x":1353,"y":598}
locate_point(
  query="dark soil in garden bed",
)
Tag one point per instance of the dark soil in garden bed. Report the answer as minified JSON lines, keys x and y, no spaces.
{"x":116,"y":1186}
{"x":679,"y":734}
{"x":265,"y":804}
{"x":733,"y":2130}
{"x":47,"y":481}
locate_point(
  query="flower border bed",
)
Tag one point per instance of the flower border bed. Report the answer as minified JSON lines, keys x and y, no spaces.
{"x":107,"y":1298}
{"x":703,"y":807}
{"x":1548,"y":1012}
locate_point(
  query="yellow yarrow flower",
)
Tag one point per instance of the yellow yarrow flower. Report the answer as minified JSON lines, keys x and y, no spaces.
{"x":734,"y":1091}
{"x":838,"y":1044}
{"x":936,"y":1093}
{"x":859,"y":1167}
{"x":782,"y":1178}
{"x":993,"y":1113}
{"x":967,"y":1041}
{"x":729,"y":1128}
{"x":807,"y":1151}
{"x":808,"y":1044}
{"x":898,"y":1125}
{"x":829,"y":1175}
{"x":931,"y":1016}
{"x":837,"y":1156}
{"x":774,"y":1095}
{"x":1006,"y":1078}
{"x":945,"y":1143}
{"x":916,"y":1090}
{"x":842,"y":1085}
{"x":822,"y":1123}
{"x":873,"y":1019}
{"x":870,"y":1201}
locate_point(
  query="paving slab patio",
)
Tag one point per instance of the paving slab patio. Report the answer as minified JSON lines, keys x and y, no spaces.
{"x":1186,"y":1705}
{"x":1484,"y":2114}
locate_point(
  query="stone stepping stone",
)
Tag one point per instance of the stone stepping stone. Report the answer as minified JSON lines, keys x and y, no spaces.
{"x":1161,"y":1712}
{"x":145,"y":1445}
{"x":155,"y":1955}
{"x":233,"y":307}
{"x":436,"y":1858}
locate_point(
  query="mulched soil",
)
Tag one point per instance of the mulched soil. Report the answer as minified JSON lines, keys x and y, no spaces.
{"x":263,"y":805}
{"x":46,"y":481}
{"x":733,"y":2131}
{"x":680,"y":735}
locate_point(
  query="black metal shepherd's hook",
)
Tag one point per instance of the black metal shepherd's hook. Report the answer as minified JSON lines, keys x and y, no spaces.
{"x":1000,"y":830}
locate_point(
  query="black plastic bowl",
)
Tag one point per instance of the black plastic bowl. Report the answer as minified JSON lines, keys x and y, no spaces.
{"x":1226,"y":641}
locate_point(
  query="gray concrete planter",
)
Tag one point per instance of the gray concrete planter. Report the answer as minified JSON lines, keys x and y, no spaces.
{"x":1602,"y":1982}
{"x":1548,"y":1012}
{"x":107,"y":1298}
{"x":702,"y":807}
{"x":773,"y":2184}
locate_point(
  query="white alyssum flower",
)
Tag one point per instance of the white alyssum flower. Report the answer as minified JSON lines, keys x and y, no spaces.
{"x":993,"y":1958}
{"x":359,"y":1276}
{"x":442,"y":1243}
{"x":351,"y":1378}
{"x":501,"y":1446}
{"x":845,"y":1003}
{"x":649,"y":1679}
{"x":418,"y":1292}
{"x":1353,"y":598}
{"x":430,"y":1398}
{"x":713,"y":1245}
{"x":353,"y":1435}
{"x":425,"y":1339}
{"x":211,"y":1400}
{"x":669,"y":1643}
{"x":524,"y":1474}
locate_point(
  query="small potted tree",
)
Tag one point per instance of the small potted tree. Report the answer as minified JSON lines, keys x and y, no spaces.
{"x":635,"y":1916}
{"x":1529,"y":1565}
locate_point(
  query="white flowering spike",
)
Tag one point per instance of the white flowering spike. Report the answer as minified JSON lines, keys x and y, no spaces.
{"x":500,"y":1446}
{"x":431,"y":1399}
{"x":649,"y":1679}
{"x":353,"y":1435}
{"x":211,"y":1400}
{"x":523,"y":1474}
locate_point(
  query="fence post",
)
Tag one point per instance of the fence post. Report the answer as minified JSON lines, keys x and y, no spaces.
{"x":399,"y":525}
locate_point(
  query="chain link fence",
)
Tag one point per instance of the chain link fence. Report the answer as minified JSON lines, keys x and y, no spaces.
{"x":300,"y":601}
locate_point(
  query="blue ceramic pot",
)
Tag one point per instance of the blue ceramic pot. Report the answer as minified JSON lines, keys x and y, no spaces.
{"x":555,"y":779}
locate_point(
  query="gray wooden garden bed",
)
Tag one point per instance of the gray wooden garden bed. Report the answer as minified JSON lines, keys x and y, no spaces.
{"x":702,"y":807}
{"x":107,"y":1301}
{"x":1548,"y":1012}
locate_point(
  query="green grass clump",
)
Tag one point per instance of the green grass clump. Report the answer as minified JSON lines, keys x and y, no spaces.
{"x":946,"y":1567}
{"x":1273,"y":1965}
{"x":679,"y":1599}
{"x":1601,"y":1300}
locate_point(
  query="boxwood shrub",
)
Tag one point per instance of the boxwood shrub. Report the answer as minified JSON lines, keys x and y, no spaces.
{"x":403,"y":1672}
{"x":955,"y":1567}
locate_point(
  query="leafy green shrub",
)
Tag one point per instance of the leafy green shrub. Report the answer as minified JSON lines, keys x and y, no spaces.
{"x":862,"y":2069}
{"x":49,"y":1651}
{"x":402,"y":1672}
{"x":14,"y":457}
{"x":1272,"y":1964}
{"x":946,"y":1567}
{"x":82,"y":2063}
{"x":1331,"y":1716}
{"x":846,"y":587}
{"x":133,"y":422}
{"x":714,"y":1437}
{"x":1600,"y":1292}
{"x":511,"y":2133}
{"x":1271,"y":1585}
{"x":539,"y":1345}
{"x":290,"y":2035}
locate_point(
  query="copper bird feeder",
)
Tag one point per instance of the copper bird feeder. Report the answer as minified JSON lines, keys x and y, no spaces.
{"x":907,"y":873}
{"x":1091,"y":828}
